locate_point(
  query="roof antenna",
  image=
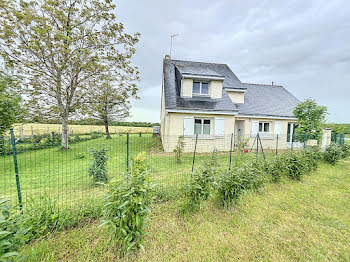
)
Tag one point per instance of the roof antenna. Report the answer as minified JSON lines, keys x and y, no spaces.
{"x":171,"y":42}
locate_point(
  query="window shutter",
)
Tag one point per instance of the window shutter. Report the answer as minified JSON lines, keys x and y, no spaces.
{"x":278,"y":128}
{"x":254,"y":128}
{"x":188,"y":126}
{"x":219,"y":126}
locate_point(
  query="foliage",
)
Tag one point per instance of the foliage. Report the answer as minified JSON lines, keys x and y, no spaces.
{"x":346,"y":150}
{"x":311,"y":117}
{"x":339,"y":128}
{"x":12,"y":233}
{"x":63,"y":49}
{"x":10,"y":103}
{"x":242,"y":144}
{"x":110,"y":103}
{"x":201,"y":185}
{"x":333,"y":153}
{"x":179,"y":149}
{"x":235,"y":182}
{"x":98,"y":164}
{"x":44,"y":216}
{"x":127,"y":205}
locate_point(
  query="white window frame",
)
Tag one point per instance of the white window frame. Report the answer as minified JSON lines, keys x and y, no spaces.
{"x":200,"y":88}
{"x":202,"y":126}
{"x":263,"y":125}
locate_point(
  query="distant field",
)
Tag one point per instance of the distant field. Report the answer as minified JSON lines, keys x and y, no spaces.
{"x":38,"y":129}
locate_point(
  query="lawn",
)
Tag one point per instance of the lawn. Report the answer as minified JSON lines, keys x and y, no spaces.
{"x":288,"y":221}
{"x":63,"y":176}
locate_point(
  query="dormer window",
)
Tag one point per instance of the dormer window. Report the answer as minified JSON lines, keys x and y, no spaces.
{"x":200,"y":88}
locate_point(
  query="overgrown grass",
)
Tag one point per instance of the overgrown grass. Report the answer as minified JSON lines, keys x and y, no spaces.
{"x":304,"y":220}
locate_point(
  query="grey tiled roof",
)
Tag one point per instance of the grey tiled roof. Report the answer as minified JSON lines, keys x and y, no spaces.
{"x":267,"y":100}
{"x":262,"y":100}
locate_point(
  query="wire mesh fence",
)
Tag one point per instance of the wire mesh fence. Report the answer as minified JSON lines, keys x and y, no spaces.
{"x":37,"y":167}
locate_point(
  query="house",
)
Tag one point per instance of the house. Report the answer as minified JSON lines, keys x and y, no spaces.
{"x":208,"y":99}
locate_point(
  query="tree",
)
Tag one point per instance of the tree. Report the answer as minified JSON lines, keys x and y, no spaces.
{"x":62,"y":48}
{"x":109,"y":103}
{"x":10,"y":106}
{"x":311,"y":117}
{"x":10,"y":103}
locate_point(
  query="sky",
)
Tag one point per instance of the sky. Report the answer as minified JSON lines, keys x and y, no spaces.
{"x":302,"y":45}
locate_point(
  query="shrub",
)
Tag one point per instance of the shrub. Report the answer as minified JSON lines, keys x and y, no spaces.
{"x":12,"y":233}
{"x":98,"y":165}
{"x":201,"y":185}
{"x":333,"y":153}
{"x":179,"y":149}
{"x":232,"y":184}
{"x":126,"y":207}
{"x":295,"y":165}
{"x":313,"y":155}
{"x":346,"y":150}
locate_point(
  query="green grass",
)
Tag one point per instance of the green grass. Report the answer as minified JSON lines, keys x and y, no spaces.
{"x":287,"y":221}
{"x":62,"y":175}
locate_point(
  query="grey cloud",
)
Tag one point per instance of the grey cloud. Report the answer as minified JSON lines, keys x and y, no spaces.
{"x":303,"y":45}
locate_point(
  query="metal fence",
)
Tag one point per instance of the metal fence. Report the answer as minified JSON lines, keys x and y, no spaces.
{"x":35,"y":167}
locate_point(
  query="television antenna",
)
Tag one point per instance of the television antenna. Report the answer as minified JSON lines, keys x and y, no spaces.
{"x":171,"y":42}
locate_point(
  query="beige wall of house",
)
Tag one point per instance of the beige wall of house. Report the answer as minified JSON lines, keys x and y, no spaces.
{"x":236,"y":97}
{"x":269,"y":141}
{"x":187,"y":85}
{"x":174,"y":123}
{"x":215,"y":87}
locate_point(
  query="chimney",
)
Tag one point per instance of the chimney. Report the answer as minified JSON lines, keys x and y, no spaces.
{"x":272,"y":83}
{"x":167,"y":57}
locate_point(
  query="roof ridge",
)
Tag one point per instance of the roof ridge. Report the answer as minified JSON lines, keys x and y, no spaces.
{"x":261,"y":84}
{"x":210,"y":63}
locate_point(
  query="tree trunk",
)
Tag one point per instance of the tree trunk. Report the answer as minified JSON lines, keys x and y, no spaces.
{"x":108,"y":136}
{"x":64,"y":141}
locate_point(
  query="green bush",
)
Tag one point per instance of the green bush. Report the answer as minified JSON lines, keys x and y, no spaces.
{"x":295,"y":165}
{"x":98,"y":165}
{"x":232,"y":184}
{"x":126,"y":207}
{"x":12,"y":233}
{"x":201,"y":185}
{"x":333,"y":153}
{"x":346,"y":150}
{"x":313,"y":156}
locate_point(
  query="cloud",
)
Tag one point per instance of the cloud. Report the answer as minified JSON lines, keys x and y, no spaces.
{"x":303,"y":45}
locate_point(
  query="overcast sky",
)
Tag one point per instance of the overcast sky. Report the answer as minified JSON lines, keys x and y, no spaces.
{"x":302,"y":45}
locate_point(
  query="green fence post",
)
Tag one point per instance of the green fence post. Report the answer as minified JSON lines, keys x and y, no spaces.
{"x":127,"y":152}
{"x":194,"y":155}
{"x":231,"y":151}
{"x":19,"y":194}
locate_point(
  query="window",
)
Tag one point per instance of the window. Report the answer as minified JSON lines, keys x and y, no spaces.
{"x":200,"y":88}
{"x":264,"y":127}
{"x":202,"y":126}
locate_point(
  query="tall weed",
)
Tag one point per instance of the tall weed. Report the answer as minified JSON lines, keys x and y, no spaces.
{"x":126,"y":207}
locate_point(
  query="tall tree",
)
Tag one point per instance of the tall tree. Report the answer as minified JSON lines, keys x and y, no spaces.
{"x":110,"y":103}
{"x":10,"y":105}
{"x":62,"y":48}
{"x":311,"y":117}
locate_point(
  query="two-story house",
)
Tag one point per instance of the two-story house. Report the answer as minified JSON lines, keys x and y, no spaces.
{"x":209,"y":100}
